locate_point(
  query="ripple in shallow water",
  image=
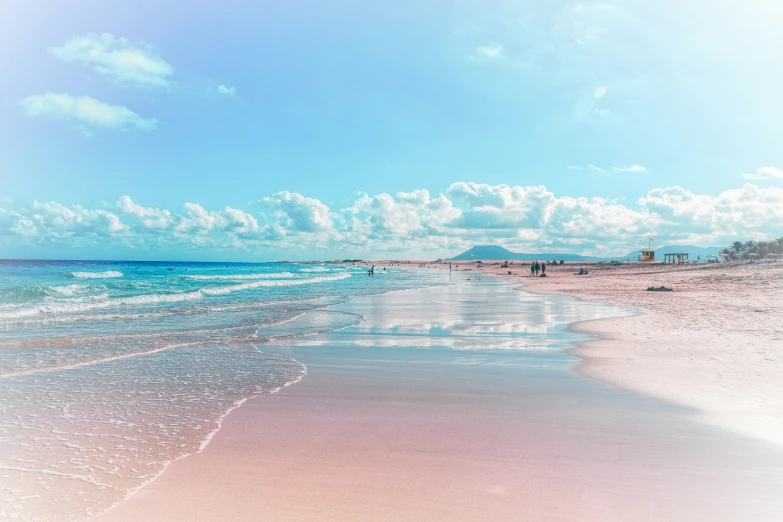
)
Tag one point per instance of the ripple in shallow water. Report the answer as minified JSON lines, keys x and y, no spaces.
{"x":77,"y":441}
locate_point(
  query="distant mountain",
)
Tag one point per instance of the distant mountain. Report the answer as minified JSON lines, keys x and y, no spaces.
{"x":498,"y":253}
{"x":694,"y":252}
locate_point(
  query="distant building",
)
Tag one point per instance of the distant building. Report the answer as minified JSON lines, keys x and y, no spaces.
{"x":648,"y":256}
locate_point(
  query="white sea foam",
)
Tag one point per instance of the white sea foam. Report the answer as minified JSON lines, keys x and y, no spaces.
{"x":97,"y":275}
{"x":222,"y":290}
{"x":68,"y":289}
{"x":235,"y":277}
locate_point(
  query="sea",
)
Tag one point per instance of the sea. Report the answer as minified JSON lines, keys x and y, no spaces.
{"x":110,"y":371}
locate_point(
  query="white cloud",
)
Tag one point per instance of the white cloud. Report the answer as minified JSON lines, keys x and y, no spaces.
{"x":596,"y":169}
{"x":226,"y":91}
{"x":385,"y":218}
{"x":573,"y":167}
{"x":86,"y":110}
{"x":492,"y":51}
{"x":630,"y":168}
{"x":151,"y":218}
{"x":117,"y":59}
{"x":300,"y":213}
{"x":600,"y":92}
{"x":765,"y":173}
{"x":528,"y":218}
{"x":501,"y":207}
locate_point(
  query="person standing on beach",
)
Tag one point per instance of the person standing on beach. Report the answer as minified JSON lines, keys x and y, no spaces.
{"x":532,"y":269}
{"x":543,"y":269}
{"x":537,"y":267}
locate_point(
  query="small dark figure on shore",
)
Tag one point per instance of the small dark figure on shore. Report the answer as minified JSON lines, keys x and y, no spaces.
{"x":532,"y":269}
{"x":537,"y":267}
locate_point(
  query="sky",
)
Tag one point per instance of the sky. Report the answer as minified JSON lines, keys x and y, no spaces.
{"x":256,"y":131}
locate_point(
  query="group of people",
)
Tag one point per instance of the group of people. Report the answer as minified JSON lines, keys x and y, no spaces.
{"x":535,"y":268}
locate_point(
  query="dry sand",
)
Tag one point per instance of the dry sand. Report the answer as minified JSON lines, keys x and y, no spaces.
{"x":714,"y":344}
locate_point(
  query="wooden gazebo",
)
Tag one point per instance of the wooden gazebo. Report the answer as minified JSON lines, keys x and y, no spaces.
{"x":675,"y":258}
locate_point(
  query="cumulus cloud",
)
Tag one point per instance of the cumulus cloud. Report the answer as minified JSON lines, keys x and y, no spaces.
{"x":500,"y":206}
{"x":384,"y":217}
{"x":150,"y":218}
{"x":117,"y":59}
{"x":85,"y":110}
{"x":529,"y":218}
{"x":765,"y":173}
{"x":52,"y":221}
{"x":600,"y":92}
{"x":300,"y":213}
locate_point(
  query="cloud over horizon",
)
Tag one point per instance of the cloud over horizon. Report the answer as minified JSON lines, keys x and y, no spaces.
{"x":521,"y":218}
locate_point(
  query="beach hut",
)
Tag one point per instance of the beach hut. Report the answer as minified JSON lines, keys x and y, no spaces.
{"x":648,"y":256}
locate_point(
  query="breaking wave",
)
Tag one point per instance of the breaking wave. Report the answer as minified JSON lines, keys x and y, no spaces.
{"x":78,"y":305}
{"x":239,"y":277}
{"x":96,"y":275}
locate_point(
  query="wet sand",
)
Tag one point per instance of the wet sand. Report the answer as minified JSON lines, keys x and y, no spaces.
{"x":410,"y":417}
{"x":714,"y":344}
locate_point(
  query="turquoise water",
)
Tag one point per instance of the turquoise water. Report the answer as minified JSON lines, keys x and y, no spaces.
{"x":111,"y":370}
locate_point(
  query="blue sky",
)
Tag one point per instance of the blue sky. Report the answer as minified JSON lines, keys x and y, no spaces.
{"x":313,"y":129}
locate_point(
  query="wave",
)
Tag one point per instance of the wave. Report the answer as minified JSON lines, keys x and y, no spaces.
{"x":96,"y":275}
{"x":233,"y":277}
{"x":222,"y":290}
{"x":68,"y":289}
{"x":79,"y":305}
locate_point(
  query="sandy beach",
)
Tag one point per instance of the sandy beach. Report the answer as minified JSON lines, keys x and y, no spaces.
{"x":714,"y":344}
{"x":409,"y":417}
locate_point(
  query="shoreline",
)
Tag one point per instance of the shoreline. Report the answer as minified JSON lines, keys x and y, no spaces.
{"x":735,"y":384}
{"x":379,"y":431}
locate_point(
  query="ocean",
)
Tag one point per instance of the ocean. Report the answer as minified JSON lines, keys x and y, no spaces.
{"x":109,"y":371}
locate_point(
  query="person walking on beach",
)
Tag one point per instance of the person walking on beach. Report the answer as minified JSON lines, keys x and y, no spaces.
{"x":543,"y":269}
{"x":532,"y":269}
{"x":537,"y":268}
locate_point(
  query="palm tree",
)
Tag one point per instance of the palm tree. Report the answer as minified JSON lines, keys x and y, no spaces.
{"x":750,"y":246}
{"x":736,"y":247}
